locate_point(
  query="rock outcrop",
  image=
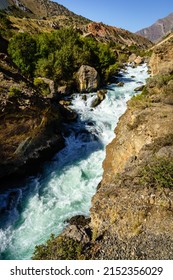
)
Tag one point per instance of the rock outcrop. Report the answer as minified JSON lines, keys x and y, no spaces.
{"x":106,"y":33}
{"x":161,"y":61}
{"x":30,"y":125}
{"x":88,"y":79}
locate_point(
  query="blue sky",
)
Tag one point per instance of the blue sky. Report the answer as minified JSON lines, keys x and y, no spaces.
{"x":132,"y":15}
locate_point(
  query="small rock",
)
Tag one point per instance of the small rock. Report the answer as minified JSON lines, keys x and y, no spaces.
{"x":139,"y":88}
{"x":120,"y":84}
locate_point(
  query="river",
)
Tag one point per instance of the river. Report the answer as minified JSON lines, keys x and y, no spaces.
{"x":29,"y":213}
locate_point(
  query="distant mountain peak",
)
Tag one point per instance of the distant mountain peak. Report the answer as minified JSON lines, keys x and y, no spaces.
{"x":159,"y":29}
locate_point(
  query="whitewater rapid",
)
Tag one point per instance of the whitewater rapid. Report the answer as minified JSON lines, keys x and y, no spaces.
{"x":31,"y":212}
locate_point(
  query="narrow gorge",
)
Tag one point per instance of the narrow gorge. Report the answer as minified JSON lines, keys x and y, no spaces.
{"x":30,"y":213}
{"x":86,"y":135}
{"x":131,"y":212}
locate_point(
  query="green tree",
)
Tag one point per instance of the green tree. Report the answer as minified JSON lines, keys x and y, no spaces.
{"x":22,"y":49}
{"x":106,"y":57}
{"x":64,"y":63}
{"x":45,"y":45}
{"x":45,"y":67}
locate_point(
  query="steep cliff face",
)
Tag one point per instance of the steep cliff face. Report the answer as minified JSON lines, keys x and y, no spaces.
{"x":30,"y":125}
{"x":161,"y":61}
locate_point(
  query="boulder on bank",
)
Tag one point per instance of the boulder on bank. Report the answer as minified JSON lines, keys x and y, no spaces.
{"x":139,"y":60}
{"x":88,"y":79}
{"x":132,"y":58}
{"x":64,"y":90}
{"x":136,"y":60}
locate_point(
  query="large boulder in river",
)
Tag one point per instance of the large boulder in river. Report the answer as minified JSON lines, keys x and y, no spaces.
{"x":101,"y":94}
{"x":88,"y":79}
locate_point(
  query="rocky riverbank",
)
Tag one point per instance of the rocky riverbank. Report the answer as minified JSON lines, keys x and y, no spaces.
{"x":131,"y":213}
{"x":30,"y":124}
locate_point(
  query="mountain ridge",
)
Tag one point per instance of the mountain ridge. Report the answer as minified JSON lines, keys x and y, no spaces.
{"x":159,"y":29}
{"x":44,"y":16}
{"x":38,"y":8}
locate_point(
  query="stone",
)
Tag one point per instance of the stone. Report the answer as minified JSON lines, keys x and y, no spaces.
{"x":140,"y":88}
{"x":50,"y":84}
{"x":101,"y":94}
{"x":100,"y":97}
{"x":88,"y":79}
{"x":84,"y":97}
{"x":132,"y":58}
{"x":135,"y":60}
{"x":65,"y":103}
{"x":120,"y":84}
{"x":95,"y":102}
{"x":139,"y":60}
{"x":64,"y":90}
{"x":77,"y":233}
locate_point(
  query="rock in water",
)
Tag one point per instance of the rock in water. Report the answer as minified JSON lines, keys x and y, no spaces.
{"x":88,"y":79}
{"x":100,"y":97}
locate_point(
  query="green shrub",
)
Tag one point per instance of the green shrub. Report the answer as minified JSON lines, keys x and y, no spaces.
{"x":14,"y":92}
{"x":159,"y":81}
{"x":22,"y":49}
{"x":159,"y":173}
{"x":59,"y":55}
{"x":112,"y":70}
{"x":140,"y":100}
{"x":59,"y":248}
{"x":43,"y":87}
